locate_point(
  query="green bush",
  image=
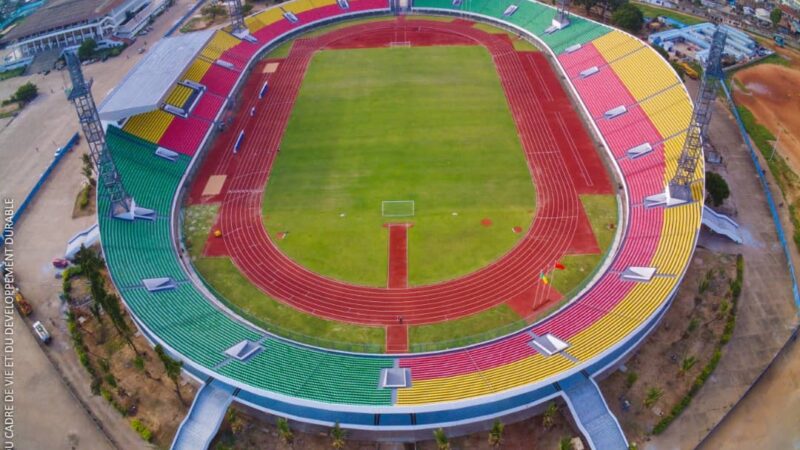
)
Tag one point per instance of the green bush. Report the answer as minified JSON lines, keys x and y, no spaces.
{"x":628,"y":17}
{"x":142,"y":430}
{"x":717,"y":188}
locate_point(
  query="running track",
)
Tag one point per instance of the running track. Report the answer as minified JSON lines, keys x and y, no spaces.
{"x":512,"y":279}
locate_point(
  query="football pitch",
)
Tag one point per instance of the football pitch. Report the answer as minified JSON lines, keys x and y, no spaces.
{"x":428,"y":124}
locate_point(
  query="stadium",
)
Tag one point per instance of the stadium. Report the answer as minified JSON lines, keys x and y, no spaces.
{"x":300,"y":130}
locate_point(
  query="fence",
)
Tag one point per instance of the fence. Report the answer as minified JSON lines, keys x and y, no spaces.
{"x":42,"y":179}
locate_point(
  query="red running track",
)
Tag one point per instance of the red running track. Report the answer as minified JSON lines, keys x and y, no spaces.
{"x":549,"y":155}
{"x":397,"y":278}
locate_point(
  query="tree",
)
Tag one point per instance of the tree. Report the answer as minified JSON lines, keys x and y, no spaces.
{"x":246,"y":8}
{"x":565,"y":444}
{"x":337,"y":436}
{"x":628,"y":17}
{"x":653,"y":394}
{"x":775,"y":16}
{"x":549,"y":415}
{"x":587,"y":4}
{"x":287,"y":436}
{"x":172,"y":368}
{"x":717,"y":188}
{"x":26,"y":93}
{"x":87,"y":49}
{"x":442,"y":442}
{"x":88,"y":169}
{"x":496,"y":434}
{"x":212,"y":11}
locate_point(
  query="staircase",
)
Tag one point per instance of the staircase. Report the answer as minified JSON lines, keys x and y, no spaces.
{"x":721,"y":224}
{"x":590,"y":411}
{"x":206,"y":414}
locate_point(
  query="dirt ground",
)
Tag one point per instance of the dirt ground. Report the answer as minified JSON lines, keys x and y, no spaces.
{"x":143,"y":392}
{"x":691,"y":328}
{"x":772,"y":93}
{"x":257,"y":433}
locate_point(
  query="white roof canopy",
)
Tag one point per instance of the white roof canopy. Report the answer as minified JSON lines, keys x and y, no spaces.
{"x":151,"y":79}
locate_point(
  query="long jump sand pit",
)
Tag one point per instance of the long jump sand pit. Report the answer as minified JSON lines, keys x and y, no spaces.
{"x":771,"y":93}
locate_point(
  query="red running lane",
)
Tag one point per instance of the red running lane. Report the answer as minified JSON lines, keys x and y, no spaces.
{"x":397,"y":338}
{"x":397,"y":278}
{"x":259,"y":259}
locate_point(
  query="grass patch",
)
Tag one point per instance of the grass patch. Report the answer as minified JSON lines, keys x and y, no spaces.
{"x":602,"y":213}
{"x":197,"y":223}
{"x":464,"y":331}
{"x":12,"y":73}
{"x":247,"y":300}
{"x":655,"y":11}
{"x":438,"y":131}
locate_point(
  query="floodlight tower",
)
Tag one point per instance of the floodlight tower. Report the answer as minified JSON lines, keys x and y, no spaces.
{"x":122,"y":205}
{"x":561,"y":18}
{"x":680,"y":185}
{"x":237,"y":16}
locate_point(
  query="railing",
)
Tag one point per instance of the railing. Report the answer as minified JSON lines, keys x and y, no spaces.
{"x":42,"y":179}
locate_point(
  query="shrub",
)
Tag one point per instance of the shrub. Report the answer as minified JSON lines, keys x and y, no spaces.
{"x":142,"y":430}
{"x":717,"y":188}
{"x":631,"y":378}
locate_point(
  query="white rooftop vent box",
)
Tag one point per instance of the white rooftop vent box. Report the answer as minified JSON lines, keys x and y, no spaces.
{"x":395,"y":377}
{"x":548,"y":344}
{"x":244,"y":350}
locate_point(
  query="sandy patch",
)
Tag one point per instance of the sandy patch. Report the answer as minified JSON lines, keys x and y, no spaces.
{"x":270,"y":68}
{"x":214,"y":185}
{"x":772,"y":94}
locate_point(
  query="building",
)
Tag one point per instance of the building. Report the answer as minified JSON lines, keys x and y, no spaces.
{"x":694,"y":42}
{"x":63,"y":24}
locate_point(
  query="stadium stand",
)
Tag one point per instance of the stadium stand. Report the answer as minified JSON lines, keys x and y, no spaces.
{"x":599,"y":327}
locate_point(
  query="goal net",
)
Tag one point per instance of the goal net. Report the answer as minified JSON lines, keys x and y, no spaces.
{"x":397,"y":208}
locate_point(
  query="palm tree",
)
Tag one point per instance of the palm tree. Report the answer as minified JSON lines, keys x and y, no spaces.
{"x":442,"y":442}
{"x":549,"y":416}
{"x":337,"y":437}
{"x":284,"y":431}
{"x":496,"y":434}
{"x":687,"y":364}
{"x":653,"y":394}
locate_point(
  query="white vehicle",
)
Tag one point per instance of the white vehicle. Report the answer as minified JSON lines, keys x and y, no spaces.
{"x":41,"y":332}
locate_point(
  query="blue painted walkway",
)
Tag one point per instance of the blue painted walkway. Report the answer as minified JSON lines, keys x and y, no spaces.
{"x":598,"y":424}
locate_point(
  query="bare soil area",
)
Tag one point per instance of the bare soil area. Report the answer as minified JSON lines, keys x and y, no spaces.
{"x":137,"y":389}
{"x":691,"y":329}
{"x":255,"y":433}
{"x":772,"y":93}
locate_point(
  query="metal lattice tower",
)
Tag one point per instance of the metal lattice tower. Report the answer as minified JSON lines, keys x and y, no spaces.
{"x":680,"y":185}
{"x":81,"y":97}
{"x":237,"y":16}
{"x":562,"y":14}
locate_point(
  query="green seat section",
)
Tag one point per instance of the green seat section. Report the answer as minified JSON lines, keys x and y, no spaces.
{"x":579,"y":31}
{"x":441,"y":4}
{"x":185,"y":320}
{"x":141,"y":249}
{"x":314,"y":375}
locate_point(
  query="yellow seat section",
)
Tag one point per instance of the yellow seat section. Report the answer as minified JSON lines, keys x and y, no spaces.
{"x":263,"y":19}
{"x":519,"y":373}
{"x":616,"y":44}
{"x":197,"y":70}
{"x":299,"y":6}
{"x":320,"y":3}
{"x":672,"y":152}
{"x":644,"y":73}
{"x":675,"y":248}
{"x":149,"y":126}
{"x":219,"y":43}
{"x":179,"y":95}
{"x":670,"y":111}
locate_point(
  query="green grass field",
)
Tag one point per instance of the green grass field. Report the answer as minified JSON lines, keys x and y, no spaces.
{"x":429,"y":124}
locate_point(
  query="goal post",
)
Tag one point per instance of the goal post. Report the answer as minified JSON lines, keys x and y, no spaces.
{"x":397,"y":208}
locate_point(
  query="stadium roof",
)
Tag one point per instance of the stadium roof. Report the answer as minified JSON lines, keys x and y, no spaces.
{"x":61,"y":13}
{"x":150,"y":80}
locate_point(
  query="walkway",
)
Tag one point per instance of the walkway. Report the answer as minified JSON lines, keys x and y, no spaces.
{"x":201,"y":424}
{"x":590,"y":411}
